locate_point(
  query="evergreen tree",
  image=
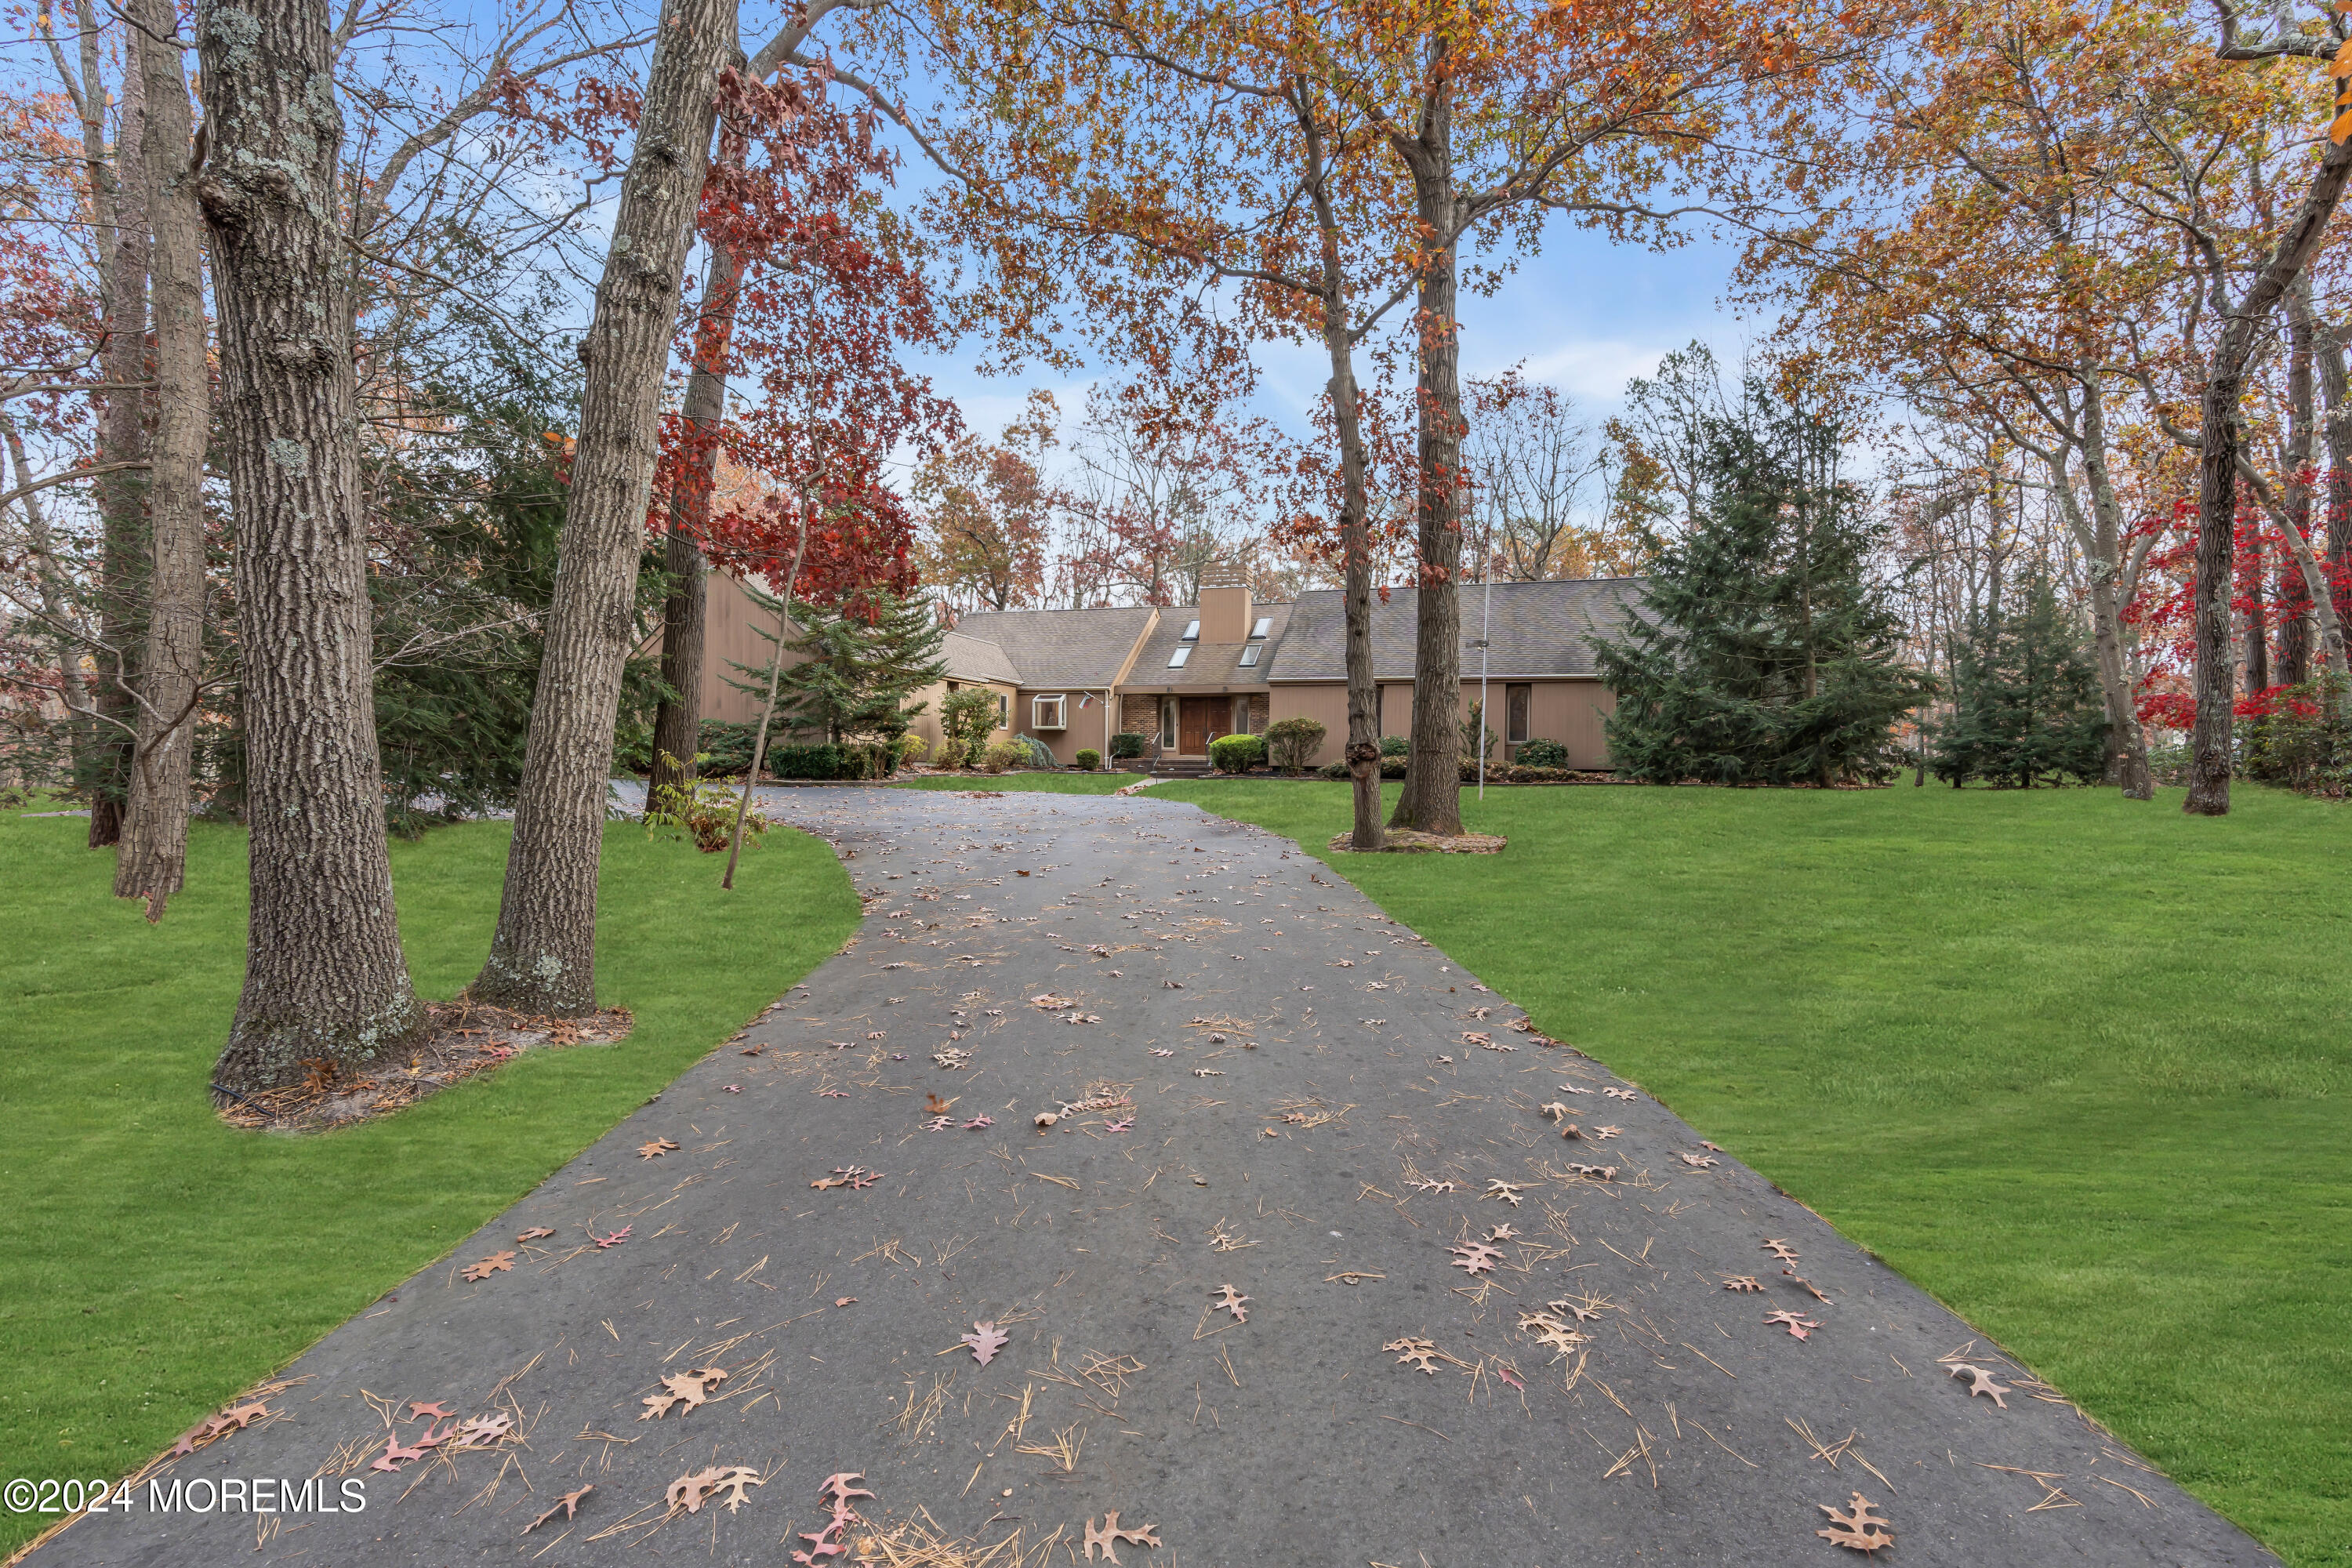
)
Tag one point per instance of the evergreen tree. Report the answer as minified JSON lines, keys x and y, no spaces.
{"x":1761,"y":652}
{"x":2026,"y":699}
{"x":853,"y":665}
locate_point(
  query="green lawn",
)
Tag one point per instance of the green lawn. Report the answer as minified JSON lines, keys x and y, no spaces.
{"x":2079,"y":1068}
{"x":158,"y":1261}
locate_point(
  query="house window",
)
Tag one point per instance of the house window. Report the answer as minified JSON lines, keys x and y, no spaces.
{"x":1004,"y":710}
{"x":1049,"y":712}
{"x":1241,"y":716}
{"x":1249,"y":653}
{"x":1167,"y":721}
{"x":1517,"y":699}
{"x":1192,"y":632}
{"x":1176,"y":660}
{"x":1265,"y":625}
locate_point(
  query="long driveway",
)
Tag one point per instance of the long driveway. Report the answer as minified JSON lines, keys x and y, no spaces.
{"x":1304,"y":1271}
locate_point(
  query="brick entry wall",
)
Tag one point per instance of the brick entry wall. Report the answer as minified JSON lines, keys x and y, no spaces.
{"x":1140,"y":715}
{"x":1261,"y":711}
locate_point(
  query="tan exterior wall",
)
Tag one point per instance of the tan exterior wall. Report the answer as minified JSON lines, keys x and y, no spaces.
{"x":729,"y":634}
{"x":1088,"y":727}
{"x":1568,"y":711}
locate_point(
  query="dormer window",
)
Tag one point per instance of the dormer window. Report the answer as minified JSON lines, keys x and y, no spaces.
{"x":1264,"y":626}
{"x":1249,"y":653}
{"x":1176,"y":660}
{"x":1192,"y":632}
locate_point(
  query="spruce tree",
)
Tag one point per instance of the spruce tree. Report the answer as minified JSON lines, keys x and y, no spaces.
{"x":856,"y":666}
{"x":2026,"y":701}
{"x":1761,"y":652}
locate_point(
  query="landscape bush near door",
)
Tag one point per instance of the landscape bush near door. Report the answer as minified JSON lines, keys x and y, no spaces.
{"x":1289,"y":743}
{"x":1126,"y":743}
{"x":1237,"y":753}
{"x":1540,"y":754}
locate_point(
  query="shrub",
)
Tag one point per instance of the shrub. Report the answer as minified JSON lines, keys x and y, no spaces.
{"x":724,"y":749}
{"x":952,"y":754}
{"x":1540,"y":754}
{"x":1290,"y":741}
{"x":1237,"y":753}
{"x":824,"y":761}
{"x":1088,"y":759}
{"x":1126,"y":743}
{"x":1395,"y":746}
{"x":905,"y":750}
{"x":1392,"y":767}
{"x":1004,"y":755}
{"x":1332,"y":771}
{"x":969,"y":718}
{"x":704,"y":812}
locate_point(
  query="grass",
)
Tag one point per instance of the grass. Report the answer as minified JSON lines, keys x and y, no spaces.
{"x":159,"y":1261}
{"x":2078,"y":1067}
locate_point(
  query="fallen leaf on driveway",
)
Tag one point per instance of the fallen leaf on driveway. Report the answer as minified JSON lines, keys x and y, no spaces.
{"x":985,"y":1339}
{"x":605,"y":1243}
{"x":1799,"y":1325}
{"x":534,"y":1233}
{"x":655,"y":1149}
{"x":1981,"y":1382}
{"x":568,"y":1505}
{"x":1860,"y":1529}
{"x":496,"y":1262}
{"x":1230,"y":1300}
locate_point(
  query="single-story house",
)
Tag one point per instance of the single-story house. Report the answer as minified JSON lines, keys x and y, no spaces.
{"x":1183,"y":676}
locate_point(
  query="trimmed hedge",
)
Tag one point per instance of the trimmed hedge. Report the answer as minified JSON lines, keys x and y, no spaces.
{"x":1540,"y":753}
{"x":1088,"y":759}
{"x":1237,"y":753}
{"x":1126,"y":743}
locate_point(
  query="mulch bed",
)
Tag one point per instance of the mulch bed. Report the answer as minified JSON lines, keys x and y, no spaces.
{"x":467,"y":1040}
{"x":1406,"y":841}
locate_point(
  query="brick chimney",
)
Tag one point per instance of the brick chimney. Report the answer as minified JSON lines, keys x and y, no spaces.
{"x":1225,"y":607}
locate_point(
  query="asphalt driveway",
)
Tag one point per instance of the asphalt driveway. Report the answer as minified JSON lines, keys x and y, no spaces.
{"x":1303,"y":1269}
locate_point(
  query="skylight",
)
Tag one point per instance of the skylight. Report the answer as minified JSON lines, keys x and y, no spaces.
{"x":1176,"y":660}
{"x":1192,"y":632}
{"x":1265,"y":625}
{"x":1249,"y":653}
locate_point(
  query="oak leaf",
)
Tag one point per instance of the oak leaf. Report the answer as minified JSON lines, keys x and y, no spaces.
{"x":1981,"y":1382}
{"x":655,"y":1149}
{"x":395,"y":1456}
{"x":607,"y":1243}
{"x":1111,"y":1532}
{"x":1506,"y":1190}
{"x":568,"y":1505}
{"x":242,"y":1416}
{"x":728,"y":1488}
{"x":1551,"y":1332}
{"x":1696,"y":1161}
{"x":1556,"y":1111}
{"x":1782,"y":1250}
{"x":433,"y":1411}
{"x":1475,"y":1257}
{"x":1230,"y":1300}
{"x":1746,"y":1283}
{"x":484,"y":1431}
{"x":496,"y":1262}
{"x":1860,"y":1529}
{"x":1604,"y":1132}
{"x":1619,"y":1094}
{"x":985,"y":1339}
{"x":1420,"y":1353}
{"x":841,"y":1486}
{"x":1799,"y":1325}
{"x":534,"y":1234}
{"x":688,"y":1490}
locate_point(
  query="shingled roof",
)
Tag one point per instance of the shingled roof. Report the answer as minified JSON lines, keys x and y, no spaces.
{"x":977,"y":658}
{"x":1060,"y":647}
{"x":1537,"y":629}
{"x":1211,"y":664}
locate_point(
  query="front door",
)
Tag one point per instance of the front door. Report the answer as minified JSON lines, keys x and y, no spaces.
{"x":1205,"y":719}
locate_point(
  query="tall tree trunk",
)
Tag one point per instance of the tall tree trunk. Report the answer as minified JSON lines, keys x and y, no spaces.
{"x":542,"y":957}
{"x":2110,"y":595}
{"x":2302,"y":455}
{"x":2258,"y":631}
{"x":1362,"y":748}
{"x":2218,"y":440}
{"x":152,"y":862}
{"x":2336,"y":385}
{"x":325,"y":980}
{"x":1431,"y":800}
{"x":121,"y":497}
{"x":678,"y":721}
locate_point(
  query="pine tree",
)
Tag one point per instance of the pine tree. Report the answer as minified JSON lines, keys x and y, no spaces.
{"x":1762,"y":653}
{"x":857,"y":664}
{"x":2027,"y":707}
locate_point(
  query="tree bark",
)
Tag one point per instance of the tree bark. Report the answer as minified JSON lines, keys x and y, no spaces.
{"x":49,"y":576}
{"x":1431,"y":800}
{"x":1362,"y":747}
{"x":678,"y":721}
{"x":2110,"y":595}
{"x":2220,"y":437}
{"x":2300,"y":455}
{"x":542,"y":957}
{"x":325,"y":981}
{"x":121,"y":497}
{"x":2336,"y":386}
{"x":152,"y":861}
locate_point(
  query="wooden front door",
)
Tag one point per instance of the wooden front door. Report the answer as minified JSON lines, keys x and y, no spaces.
{"x":1203,"y":719}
